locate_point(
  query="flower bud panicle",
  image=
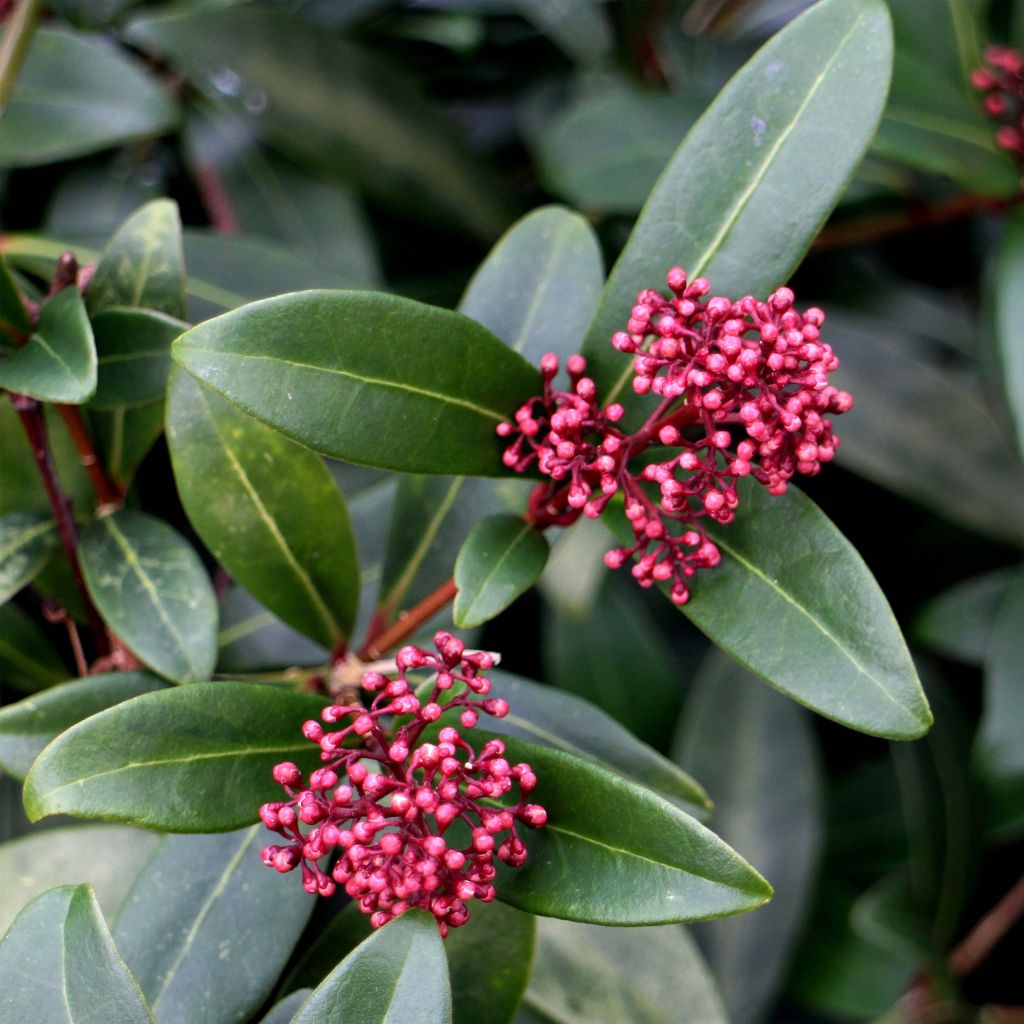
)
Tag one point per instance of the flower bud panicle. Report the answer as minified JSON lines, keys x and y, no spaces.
{"x":1002,"y":82}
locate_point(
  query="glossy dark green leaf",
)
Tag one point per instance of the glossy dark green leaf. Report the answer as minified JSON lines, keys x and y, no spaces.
{"x":285,"y":1010}
{"x":125,"y":436}
{"x":27,"y":726}
{"x":251,"y":638}
{"x":612,"y":171}
{"x":108,"y":857}
{"x":752,"y":183}
{"x":76,"y":94}
{"x":58,"y":963}
{"x":489,"y":959}
{"x":611,"y":975}
{"x":924,"y":428}
{"x":274,"y":199}
{"x":143,"y":264}
{"x":539,"y":286}
{"x":617,"y":853}
{"x":755,"y":752}
{"x":267,"y":509}
{"x":502,"y":558}
{"x":13,"y":315}
{"x":365,"y":377}
{"x":58,"y":364}
{"x":786,"y":570}
{"x":331,"y":106}
{"x":399,"y":973}
{"x":932,"y":124}
{"x":600,"y":656}
{"x":207,"y":750}
{"x":27,"y":660}
{"x":1009,"y":311}
{"x":959,"y":622}
{"x":27,"y":540}
{"x":134,"y":352}
{"x":150,"y":585}
{"x":207,"y":927}
{"x":21,"y":488}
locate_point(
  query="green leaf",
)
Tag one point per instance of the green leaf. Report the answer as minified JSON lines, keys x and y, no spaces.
{"x":489,"y":959}
{"x":285,"y":1010}
{"x":579,"y":27}
{"x":612,"y":975}
{"x":589,"y":657}
{"x":58,"y":963}
{"x":14,"y":317}
{"x":58,"y":364}
{"x":150,"y":585}
{"x":29,"y":725}
{"x":208,"y":750}
{"x":134,"y":352}
{"x":1009,"y":309}
{"x":143,"y":264}
{"x":999,"y":746}
{"x":26,"y":541}
{"x":76,"y":94}
{"x":398,"y":974}
{"x":330,"y":106}
{"x":502,"y":558}
{"x":555,"y":719}
{"x":756,"y":177}
{"x":366,"y":377}
{"x":923,"y":428}
{"x":959,"y":622}
{"x":786,"y":570}
{"x":267,"y":509}
{"x":108,"y":857}
{"x":540,"y":284}
{"x":756,"y":753}
{"x":125,"y":436}
{"x":616,"y":853}
{"x":27,"y":661}
{"x":932,"y":125}
{"x":207,"y":928}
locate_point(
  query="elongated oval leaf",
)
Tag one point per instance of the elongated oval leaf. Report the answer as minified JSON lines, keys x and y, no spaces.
{"x":26,"y":542}
{"x":14,"y":319}
{"x":28,"y":662}
{"x":207,"y":928}
{"x":614,"y":852}
{"x":756,"y":177}
{"x":285,"y":1010}
{"x":149,"y":584}
{"x":108,"y":857}
{"x":502,"y":558}
{"x":556,"y":719}
{"x":58,"y":963}
{"x":134,"y":353}
{"x":78,"y":93}
{"x":125,"y":435}
{"x":539,"y":286}
{"x":365,"y":377}
{"x":27,"y":726}
{"x":788,"y":572}
{"x":756,"y":753}
{"x":1009,"y":315}
{"x":612,"y":975}
{"x":267,"y":509}
{"x":58,"y":364}
{"x":186,"y":759}
{"x":399,"y":973}
{"x":143,"y":264}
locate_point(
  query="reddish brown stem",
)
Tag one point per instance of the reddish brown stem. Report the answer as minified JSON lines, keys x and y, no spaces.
{"x":107,"y":492}
{"x":410,"y":622}
{"x":216,"y":200}
{"x":31,"y":413}
{"x":983,"y":937}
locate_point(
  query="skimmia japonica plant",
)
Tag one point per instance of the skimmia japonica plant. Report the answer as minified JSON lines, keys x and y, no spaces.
{"x":360,"y":628}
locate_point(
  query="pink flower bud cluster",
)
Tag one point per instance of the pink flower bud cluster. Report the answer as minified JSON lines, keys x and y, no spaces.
{"x":1002,"y":81}
{"x":720,"y":368}
{"x":384,"y":802}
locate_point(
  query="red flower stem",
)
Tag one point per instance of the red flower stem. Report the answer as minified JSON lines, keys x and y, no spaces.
{"x":972,"y":952}
{"x":31,"y":413}
{"x":107,"y":492}
{"x":410,"y":622}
